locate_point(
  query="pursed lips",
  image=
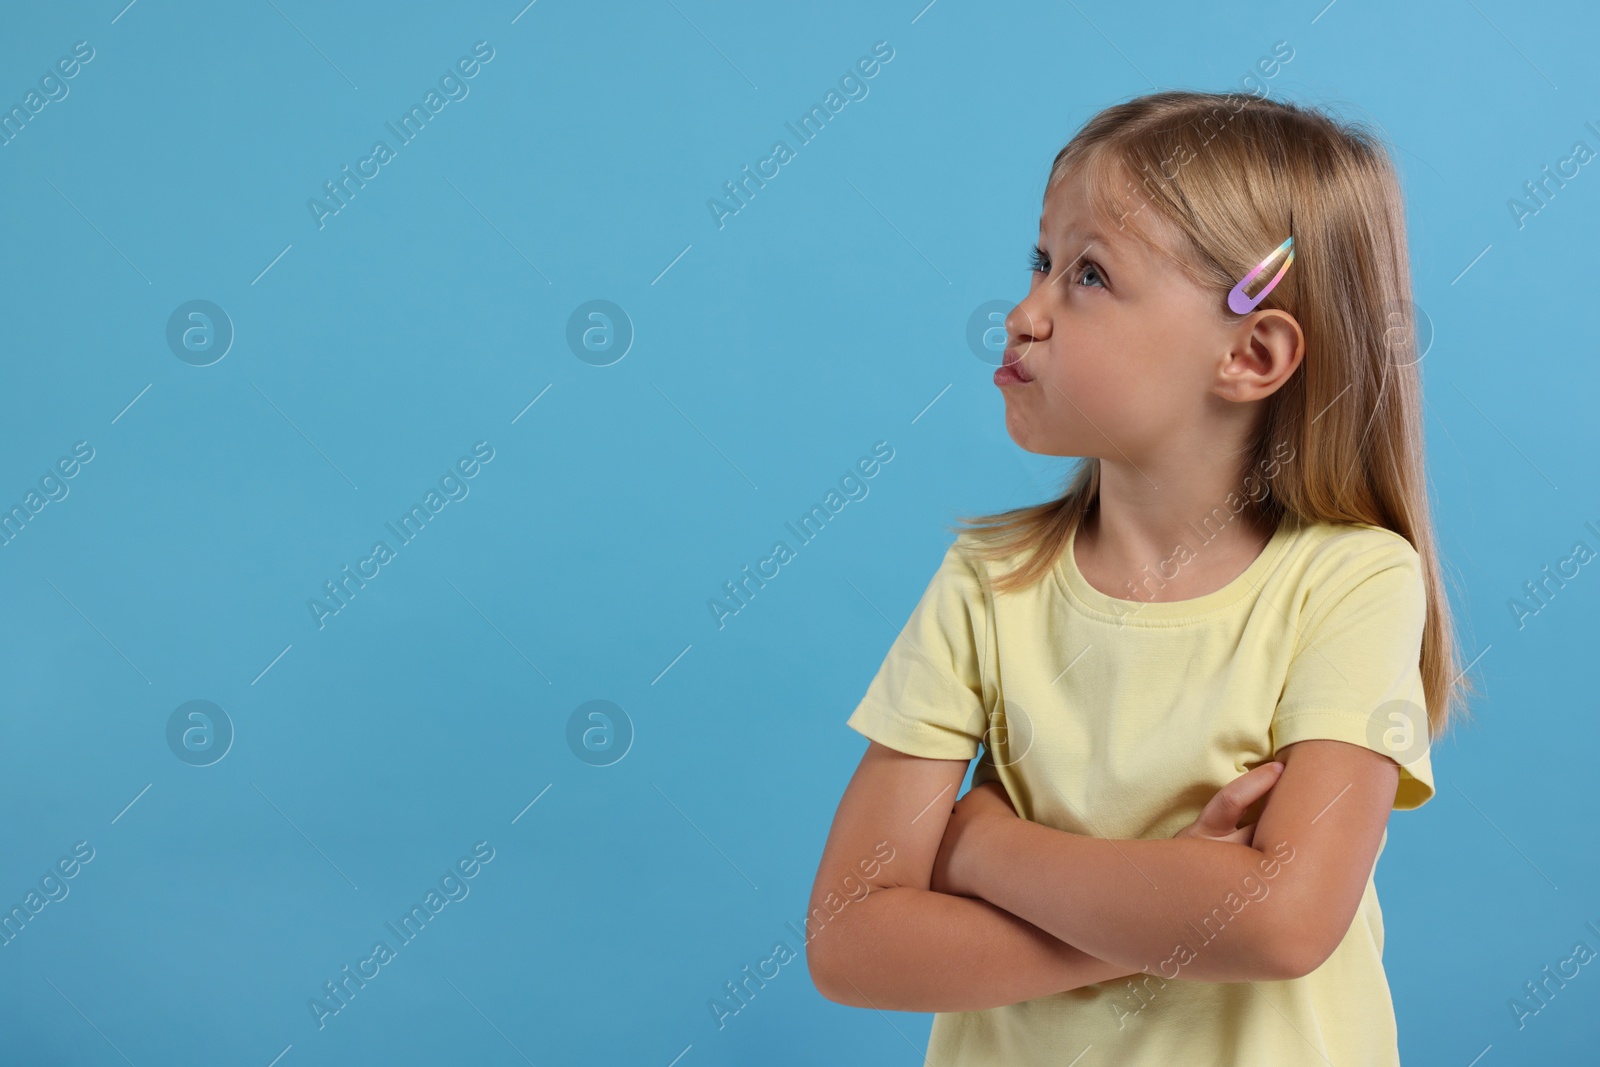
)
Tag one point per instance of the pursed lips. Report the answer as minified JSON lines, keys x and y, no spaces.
{"x":1013,"y":358}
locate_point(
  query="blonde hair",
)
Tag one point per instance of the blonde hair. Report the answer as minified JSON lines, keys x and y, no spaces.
{"x":1235,"y":175}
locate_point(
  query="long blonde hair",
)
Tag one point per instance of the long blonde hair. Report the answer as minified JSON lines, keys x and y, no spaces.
{"x":1233,"y":174}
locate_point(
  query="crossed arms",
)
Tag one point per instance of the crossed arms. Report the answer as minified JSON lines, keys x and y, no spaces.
{"x":980,"y":908}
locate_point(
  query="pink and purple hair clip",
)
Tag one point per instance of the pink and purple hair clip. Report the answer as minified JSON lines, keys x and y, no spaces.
{"x":1238,"y":302}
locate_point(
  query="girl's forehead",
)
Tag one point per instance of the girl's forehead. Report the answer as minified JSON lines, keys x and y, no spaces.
{"x":1072,"y":223}
{"x":1136,"y":234}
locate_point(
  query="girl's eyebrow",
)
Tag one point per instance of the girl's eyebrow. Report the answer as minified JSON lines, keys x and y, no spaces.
{"x":1088,"y":237}
{"x":1103,"y":248}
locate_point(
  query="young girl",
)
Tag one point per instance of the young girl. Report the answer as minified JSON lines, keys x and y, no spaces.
{"x":1236,"y":599}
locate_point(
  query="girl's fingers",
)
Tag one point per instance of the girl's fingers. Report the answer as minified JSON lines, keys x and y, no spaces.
{"x":1221,"y":815}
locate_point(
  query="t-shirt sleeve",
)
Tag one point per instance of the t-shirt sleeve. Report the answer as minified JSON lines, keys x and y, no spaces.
{"x":930,"y":697}
{"x":1356,"y":674}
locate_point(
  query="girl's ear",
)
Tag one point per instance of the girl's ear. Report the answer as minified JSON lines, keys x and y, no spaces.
{"x":1267,"y":347}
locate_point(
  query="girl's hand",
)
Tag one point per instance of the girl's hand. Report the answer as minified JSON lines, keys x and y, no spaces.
{"x":954,"y":868}
{"x":1219,"y":821}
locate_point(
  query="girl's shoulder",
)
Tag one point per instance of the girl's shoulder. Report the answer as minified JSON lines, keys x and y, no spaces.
{"x":1330,"y":559}
{"x":1353,"y":543}
{"x":1016,"y":573}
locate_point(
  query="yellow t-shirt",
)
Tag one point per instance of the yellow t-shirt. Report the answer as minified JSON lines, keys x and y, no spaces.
{"x":1121,"y":718}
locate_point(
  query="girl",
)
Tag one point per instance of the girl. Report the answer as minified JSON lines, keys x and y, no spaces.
{"x":1240,"y":577}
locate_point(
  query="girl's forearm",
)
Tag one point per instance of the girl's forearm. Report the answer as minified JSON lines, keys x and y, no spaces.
{"x":907,"y":949}
{"x":1202,"y":909}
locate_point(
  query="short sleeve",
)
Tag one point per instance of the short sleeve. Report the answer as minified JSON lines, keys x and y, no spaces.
{"x":929,"y":697}
{"x":1356,"y":674}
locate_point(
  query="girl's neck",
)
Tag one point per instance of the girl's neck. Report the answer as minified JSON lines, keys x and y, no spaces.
{"x":1195,"y":551}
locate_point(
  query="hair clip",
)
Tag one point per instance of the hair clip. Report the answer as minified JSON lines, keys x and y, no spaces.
{"x":1238,"y":302}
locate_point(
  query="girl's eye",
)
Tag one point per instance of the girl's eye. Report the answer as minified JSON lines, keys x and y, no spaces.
{"x":1039,"y":263}
{"x":1090,"y":267}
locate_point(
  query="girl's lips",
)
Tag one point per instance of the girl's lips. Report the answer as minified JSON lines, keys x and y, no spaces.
{"x":1010,"y":374}
{"x":1011,"y":362}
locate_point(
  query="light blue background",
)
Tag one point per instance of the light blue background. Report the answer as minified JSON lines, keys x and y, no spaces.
{"x":826,"y":316}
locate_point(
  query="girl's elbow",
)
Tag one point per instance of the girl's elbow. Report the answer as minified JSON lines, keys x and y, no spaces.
{"x":830,"y":980}
{"x":1294,"y":951}
{"x":828,"y":963}
{"x":817,"y":965}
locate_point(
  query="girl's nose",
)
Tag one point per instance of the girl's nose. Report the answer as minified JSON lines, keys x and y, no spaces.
{"x":1024,"y":324}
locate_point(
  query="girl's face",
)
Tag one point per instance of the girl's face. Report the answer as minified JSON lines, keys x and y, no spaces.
{"x":1118,"y":346}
